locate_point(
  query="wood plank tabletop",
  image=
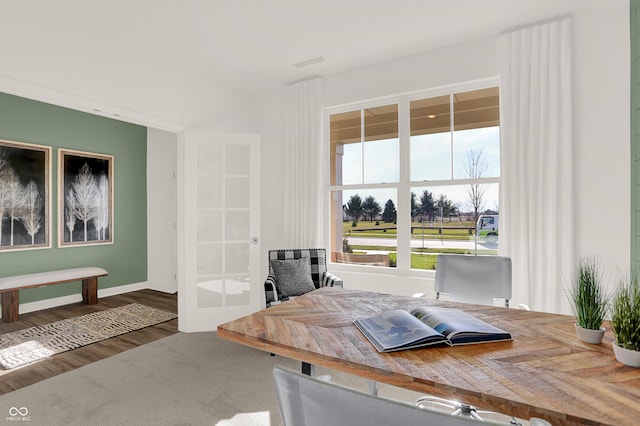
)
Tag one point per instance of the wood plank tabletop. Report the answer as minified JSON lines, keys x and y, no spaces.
{"x":544,"y":372}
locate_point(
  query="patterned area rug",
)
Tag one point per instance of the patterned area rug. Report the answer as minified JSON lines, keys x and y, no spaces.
{"x":33,"y":344}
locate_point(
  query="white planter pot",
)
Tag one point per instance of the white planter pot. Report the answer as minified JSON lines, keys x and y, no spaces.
{"x":626,"y":356}
{"x":590,"y":336}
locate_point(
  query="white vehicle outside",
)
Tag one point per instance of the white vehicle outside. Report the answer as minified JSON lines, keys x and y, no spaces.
{"x":487,"y":227}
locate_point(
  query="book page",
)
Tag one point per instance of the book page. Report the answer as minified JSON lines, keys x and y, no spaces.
{"x":458,"y":326}
{"x":397,"y":329}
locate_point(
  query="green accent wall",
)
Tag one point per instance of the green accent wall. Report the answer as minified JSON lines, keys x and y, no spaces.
{"x":25,"y":120}
{"x":635,"y":133}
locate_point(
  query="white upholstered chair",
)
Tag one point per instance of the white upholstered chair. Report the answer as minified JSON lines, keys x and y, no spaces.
{"x":309,"y":401}
{"x":470,"y":279}
{"x":474,"y":279}
{"x":455,"y":408}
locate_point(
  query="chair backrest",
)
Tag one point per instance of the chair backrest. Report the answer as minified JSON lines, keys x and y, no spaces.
{"x":474,"y":279}
{"x":306,"y":401}
{"x":318,"y":258}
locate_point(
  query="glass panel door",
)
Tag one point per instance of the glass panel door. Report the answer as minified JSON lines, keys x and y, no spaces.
{"x":221,"y":217}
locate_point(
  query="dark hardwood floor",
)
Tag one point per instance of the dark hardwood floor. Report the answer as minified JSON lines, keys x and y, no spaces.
{"x":17,"y":378}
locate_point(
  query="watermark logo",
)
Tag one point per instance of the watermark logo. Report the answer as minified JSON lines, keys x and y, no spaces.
{"x":18,"y":414}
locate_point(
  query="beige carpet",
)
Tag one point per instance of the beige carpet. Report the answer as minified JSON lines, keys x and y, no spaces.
{"x":184,"y":379}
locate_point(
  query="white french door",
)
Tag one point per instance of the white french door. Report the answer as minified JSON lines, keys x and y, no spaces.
{"x":218,"y":238}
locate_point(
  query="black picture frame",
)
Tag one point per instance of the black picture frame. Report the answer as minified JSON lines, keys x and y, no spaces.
{"x":85,"y":198}
{"x":25,"y":196}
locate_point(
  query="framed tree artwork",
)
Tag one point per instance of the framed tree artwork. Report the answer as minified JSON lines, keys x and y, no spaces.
{"x":25,"y":196}
{"x":85,"y":198}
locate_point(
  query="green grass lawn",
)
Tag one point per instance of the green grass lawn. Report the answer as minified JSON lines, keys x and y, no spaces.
{"x":418,"y":261}
{"x":444,"y":230}
{"x":425,"y":260}
{"x":421,"y":258}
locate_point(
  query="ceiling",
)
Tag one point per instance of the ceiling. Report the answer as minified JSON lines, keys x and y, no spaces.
{"x":169,"y":63}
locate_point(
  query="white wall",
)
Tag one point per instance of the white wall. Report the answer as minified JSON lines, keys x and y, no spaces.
{"x":601,"y":116}
{"x":602,"y":136}
{"x":442,"y":67}
{"x":271,"y":121}
{"x":161,"y":210}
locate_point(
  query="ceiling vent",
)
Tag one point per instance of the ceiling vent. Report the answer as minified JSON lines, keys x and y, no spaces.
{"x":311,"y":61}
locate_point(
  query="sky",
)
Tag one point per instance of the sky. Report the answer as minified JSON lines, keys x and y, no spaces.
{"x":434,"y":157}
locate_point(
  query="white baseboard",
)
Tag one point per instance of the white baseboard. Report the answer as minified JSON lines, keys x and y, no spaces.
{"x":171,"y":289}
{"x":75,"y":298}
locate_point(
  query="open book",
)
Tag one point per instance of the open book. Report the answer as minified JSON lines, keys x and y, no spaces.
{"x":399,"y":329}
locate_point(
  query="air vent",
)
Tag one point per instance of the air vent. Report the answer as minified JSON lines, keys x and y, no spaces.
{"x":311,"y":61}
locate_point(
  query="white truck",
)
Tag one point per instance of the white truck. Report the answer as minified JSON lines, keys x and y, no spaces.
{"x":487,"y":227}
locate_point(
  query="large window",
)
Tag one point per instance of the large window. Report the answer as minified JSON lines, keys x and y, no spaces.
{"x":415,"y":176}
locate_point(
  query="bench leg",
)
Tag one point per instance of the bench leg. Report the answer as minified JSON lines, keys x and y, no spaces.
{"x":90,"y":291}
{"x":10,"y":305}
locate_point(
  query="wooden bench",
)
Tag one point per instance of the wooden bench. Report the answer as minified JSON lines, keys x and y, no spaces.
{"x":10,"y":286}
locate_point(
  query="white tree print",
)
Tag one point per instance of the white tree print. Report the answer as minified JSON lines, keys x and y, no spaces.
{"x":30,"y":214}
{"x":84,"y":192}
{"x":101,"y":218}
{"x":4,"y":179}
{"x":87,"y":186}
{"x":14,"y":199}
{"x":23,"y":195}
{"x":70,"y":214}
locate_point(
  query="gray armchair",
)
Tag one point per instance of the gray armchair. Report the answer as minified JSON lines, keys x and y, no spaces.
{"x":284,"y":275}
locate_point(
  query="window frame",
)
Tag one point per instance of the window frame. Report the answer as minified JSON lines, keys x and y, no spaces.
{"x":404,"y":184}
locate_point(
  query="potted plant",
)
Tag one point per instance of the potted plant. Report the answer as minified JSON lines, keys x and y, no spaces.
{"x":589,"y":301}
{"x":625,"y":321}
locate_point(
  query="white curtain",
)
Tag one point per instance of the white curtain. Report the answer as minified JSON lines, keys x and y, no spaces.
{"x":302,"y":208}
{"x":537,"y":202}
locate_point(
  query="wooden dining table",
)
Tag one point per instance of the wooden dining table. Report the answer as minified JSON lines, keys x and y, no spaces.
{"x":545,"y":371}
